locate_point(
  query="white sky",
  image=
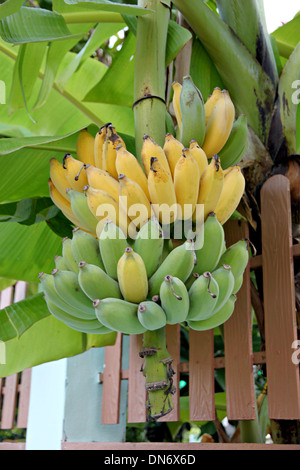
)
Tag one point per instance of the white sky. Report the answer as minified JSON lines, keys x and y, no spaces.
{"x":280,"y":11}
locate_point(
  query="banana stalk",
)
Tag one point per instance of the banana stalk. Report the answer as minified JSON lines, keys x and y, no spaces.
{"x":149,"y":78}
{"x":158,"y":372}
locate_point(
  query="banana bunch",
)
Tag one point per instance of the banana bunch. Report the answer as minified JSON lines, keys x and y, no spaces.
{"x":103,"y":285}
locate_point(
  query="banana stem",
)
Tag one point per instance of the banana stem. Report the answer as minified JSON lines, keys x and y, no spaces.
{"x":158,"y":372}
{"x":149,"y":79}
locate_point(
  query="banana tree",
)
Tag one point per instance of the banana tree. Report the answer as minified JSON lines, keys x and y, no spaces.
{"x":55,"y":88}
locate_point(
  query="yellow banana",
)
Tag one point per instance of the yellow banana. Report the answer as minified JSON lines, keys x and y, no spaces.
{"x":85,"y":147}
{"x":134,"y":201}
{"x":62,"y":203}
{"x":127,"y":164}
{"x":219,"y":125}
{"x":211,"y":102}
{"x":151,"y":149}
{"x":199,"y":155}
{"x":173,"y":150}
{"x":101,"y":179}
{"x":58,"y":177}
{"x":132,"y":276}
{"x":109,"y":153}
{"x":232,"y":192}
{"x":98,"y":146}
{"x":186,"y":184}
{"x":211,"y":184}
{"x":104,"y":207}
{"x":177,"y":87}
{"x":75,"y":173}
{"x":162,"y":193}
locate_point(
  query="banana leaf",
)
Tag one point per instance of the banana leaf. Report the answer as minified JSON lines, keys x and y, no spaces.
{"x":10,"y":7}
{"x":288,"y":36}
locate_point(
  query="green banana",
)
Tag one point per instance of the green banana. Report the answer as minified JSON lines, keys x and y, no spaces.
{"x":179,"y":263}
{"x":95,"y":283}
{"x":174,"y":299}
{"x":84,"y":326}
{"x":149,"y":244}
{"x":67,"y":286}
{"x":119,"y":315}
{"x":237,"y":256}
{"x":225,"y":279}
{"x":190,"y":281}
{"x":192,"y":113}
{"x":85,"y":247}
{"x":151,"y":315}
{"x":208,"y":256}
{"x":236,"y":145}
{"x":112,"y":243}
{"x":60,"y":263}
{"x":81,"y":210}
{"x":67,"y":255}
{"x":203,"y":296}
{"x":238,"y":284}
{"x":216,"y":320}
{"x":47,"y":282}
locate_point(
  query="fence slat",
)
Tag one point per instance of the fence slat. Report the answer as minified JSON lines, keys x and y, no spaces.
{"x":112,"y":383}
{"x":173,"y":346}
{"x":279,"y":300}
{"x":6,"y":297}
{"x":136,"y":383}
{"x":201,"y":375}
{"x":239,"y":377}
{"x":9,"y":402}
{"x":24,"y":396}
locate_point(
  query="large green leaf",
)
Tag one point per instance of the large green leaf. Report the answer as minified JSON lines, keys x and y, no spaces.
{"x":288,"y":36}
{"x":33,"y":25}
{"x":10,"y":7}
{"x":105,"y":5}
{"x":48,"y":340}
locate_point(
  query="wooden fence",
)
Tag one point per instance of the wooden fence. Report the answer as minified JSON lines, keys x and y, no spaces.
{"x":278,"y":330}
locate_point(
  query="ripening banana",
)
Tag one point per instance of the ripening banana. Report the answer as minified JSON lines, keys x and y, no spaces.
{"x":217,"y":319}
{"x":132,"y":276}
{"x":47,"y":283}
{"x":203,"y":296}
{"x":150,"y":150}
{"x":174,"y":299}
{"x":67,"y":287}
{"x":67,"y":255}
{"x":179,"y":263}
{"x":213,"y":239}
{"x":151,"y":315}
{"x":237,"y":256}
{"x":219,"y":125}
{"x":85,"y":247}
{"x":63,"y":204}
{"x":112,"y":243}
{"x":134,"y":201}
{"x":177,"y":87}
{"x":103,"y":206}
{"x":192,"y":113}
{"x":127,"y":164}
{"x":81,"y":210}
{"x":60,"y":263}
{"x":173,"y":150}
{"x":162,"y":193}
{"x":237,"y":143}
{"x":85,"y":147}
{"x":238,"y":284}
{"x":101,"y":179}
{"x":96,"y":283}
{"x":211,"y":102}
{"x":232,"y":193}
{"x":119,"y":315}
{"x":75,"y":174}
{"x":58,"y":177}
{"x":211,"y":185}
{"x":98,"y":145}
{"x":84,"y":326}
{"x":186,"y":185}
{"x":225,"y":279}
{"x":198,"y":154}
{"x":109,"y":153}
{"x":149,"y":244}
